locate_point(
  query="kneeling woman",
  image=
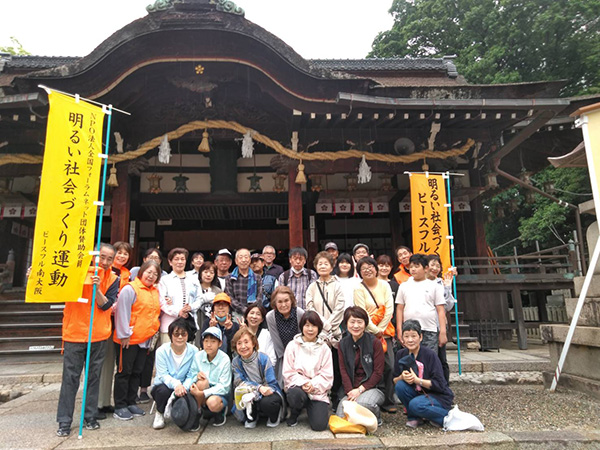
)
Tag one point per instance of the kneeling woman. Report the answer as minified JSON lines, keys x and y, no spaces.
{"x":254,"y":380}
{"x":173,"y":363}
{"x":136,"y":322}
{"x":361,"y":364}
{"x":308,"y":373}
{"x":425,"y":394}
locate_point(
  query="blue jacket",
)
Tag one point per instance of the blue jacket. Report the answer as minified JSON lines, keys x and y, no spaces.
{"x":240,"y":376}
{"x":167,"y":374}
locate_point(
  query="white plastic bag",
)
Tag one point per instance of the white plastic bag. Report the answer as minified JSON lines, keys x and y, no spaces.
{"x":359,"y":415}
{"x":167,"y":414}
{"x":458,"y":420}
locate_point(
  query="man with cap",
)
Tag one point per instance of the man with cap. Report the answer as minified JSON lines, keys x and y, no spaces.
{"x":223,"y":262}
{"x":220,"y":317}
{"x":359,"y":251}
{"x":243,"y":286}
{"x":212,"y":370}
{"x":332,"y":249}
{"x":298,"y":277}
{"x":269,"y":282}
{"x":269,"y":255}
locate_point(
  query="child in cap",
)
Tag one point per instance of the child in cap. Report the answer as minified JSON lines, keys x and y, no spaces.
{"x":221,"y":318}
{"x":212,"y":371}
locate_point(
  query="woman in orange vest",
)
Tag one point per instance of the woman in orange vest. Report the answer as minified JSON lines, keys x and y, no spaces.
{"x":122,"y":257}
{"x":136,"y":323}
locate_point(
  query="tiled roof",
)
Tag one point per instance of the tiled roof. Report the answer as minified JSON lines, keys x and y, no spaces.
{"x":38,"y":62}
{"x":393,"y":64}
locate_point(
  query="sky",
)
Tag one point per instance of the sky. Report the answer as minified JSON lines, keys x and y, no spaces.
{"x":313,"y":28}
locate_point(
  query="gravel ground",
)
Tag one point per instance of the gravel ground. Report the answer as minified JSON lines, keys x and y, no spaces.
{"x":507,"y":408}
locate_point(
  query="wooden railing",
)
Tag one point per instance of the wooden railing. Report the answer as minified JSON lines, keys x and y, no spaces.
{"x":561,"y":259}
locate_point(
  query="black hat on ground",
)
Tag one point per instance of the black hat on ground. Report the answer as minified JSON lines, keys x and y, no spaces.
{"x":184,"y":412}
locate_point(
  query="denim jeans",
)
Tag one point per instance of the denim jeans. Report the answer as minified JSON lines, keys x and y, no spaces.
{"x":420,"y":406}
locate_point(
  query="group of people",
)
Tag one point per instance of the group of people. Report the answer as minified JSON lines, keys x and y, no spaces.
{"x":259,"y":341}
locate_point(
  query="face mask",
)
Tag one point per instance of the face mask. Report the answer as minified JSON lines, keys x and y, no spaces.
{"x":297,"y":271}
{"x":221,"y":319}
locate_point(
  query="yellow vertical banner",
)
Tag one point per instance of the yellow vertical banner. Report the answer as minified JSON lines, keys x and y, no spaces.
{"x":66,"y":216}
{"x":429,"y":216}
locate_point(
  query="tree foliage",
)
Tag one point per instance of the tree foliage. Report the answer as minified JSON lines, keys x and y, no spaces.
{"x":543,"y":220}
{"x":15,"y":49}
{"x":502,"y":41}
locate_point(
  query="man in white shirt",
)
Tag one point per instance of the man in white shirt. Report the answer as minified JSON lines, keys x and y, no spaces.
{"x":423,"y":300}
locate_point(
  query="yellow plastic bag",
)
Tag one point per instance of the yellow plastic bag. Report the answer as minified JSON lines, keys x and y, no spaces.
{"x":339,"y":425}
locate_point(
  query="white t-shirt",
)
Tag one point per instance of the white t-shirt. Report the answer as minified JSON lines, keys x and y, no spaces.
{"x":420,"y":299}
{"x":178,"y":359}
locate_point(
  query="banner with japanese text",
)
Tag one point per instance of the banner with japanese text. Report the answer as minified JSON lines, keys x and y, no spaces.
{"x":66,"y":214}
{"x":429,"y":216}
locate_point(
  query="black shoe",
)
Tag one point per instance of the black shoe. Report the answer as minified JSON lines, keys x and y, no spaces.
{"x":64,"y":429}
{"x":292,"y":421}
{"x":100,"y":415}
{"x":107,"y":409}
{"x":143,"y":398}
{"x":91,"y":424}
{"x":220,"y":418}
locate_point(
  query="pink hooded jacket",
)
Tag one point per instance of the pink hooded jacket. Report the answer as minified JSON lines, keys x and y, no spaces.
{"x":308,"y":361}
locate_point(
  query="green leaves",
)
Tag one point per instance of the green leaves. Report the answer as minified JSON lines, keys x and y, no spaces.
{"x":15,"y":49}
{"x":502,"y":41}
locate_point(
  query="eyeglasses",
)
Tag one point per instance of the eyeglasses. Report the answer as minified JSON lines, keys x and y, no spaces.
{"x":268,"y":253}
{"x":180,"y":334}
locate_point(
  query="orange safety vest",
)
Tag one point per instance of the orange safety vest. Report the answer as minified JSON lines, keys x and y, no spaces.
{"x":76,"y":315}
{"x":125,"y":274}
{"x":402,"y":275}
{"x":145,"y":313}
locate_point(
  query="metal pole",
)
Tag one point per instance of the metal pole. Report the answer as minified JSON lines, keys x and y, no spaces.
{"x":93,"y":305}
{"x":451,"y":237}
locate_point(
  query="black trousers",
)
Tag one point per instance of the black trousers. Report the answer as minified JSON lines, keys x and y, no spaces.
{"x":146,"y":378}
{"x":267,"y":406}
{"x":337,"y":376}
{"x":318,"y":412}
{"x":161,"y":394}
{"x":388,"y":372}
{"x":127,"y":378}
{"x":444,"y":361}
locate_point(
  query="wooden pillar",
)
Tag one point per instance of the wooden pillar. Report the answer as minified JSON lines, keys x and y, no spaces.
{"x":294,"y":210}
{"x":519,"y":318}
{"x":120,"y":206}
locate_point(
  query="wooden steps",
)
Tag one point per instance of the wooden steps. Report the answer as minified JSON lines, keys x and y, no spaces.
{"x":29,"y":328}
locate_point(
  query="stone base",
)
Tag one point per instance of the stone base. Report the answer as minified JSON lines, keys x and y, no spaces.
{"x":574,"y":383}
{"x":593,"y":290}
{"x":590,"y":312}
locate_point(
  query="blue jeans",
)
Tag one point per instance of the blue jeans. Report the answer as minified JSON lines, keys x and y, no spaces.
{"x":419,"y":406}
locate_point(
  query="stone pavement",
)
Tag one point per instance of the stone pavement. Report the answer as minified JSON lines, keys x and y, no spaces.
{"x":28,"y":422}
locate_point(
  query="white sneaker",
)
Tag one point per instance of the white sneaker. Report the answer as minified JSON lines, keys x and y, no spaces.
{"x":273,"y":424}
{"x":159,"y":421}
{"x":249,"y":424}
